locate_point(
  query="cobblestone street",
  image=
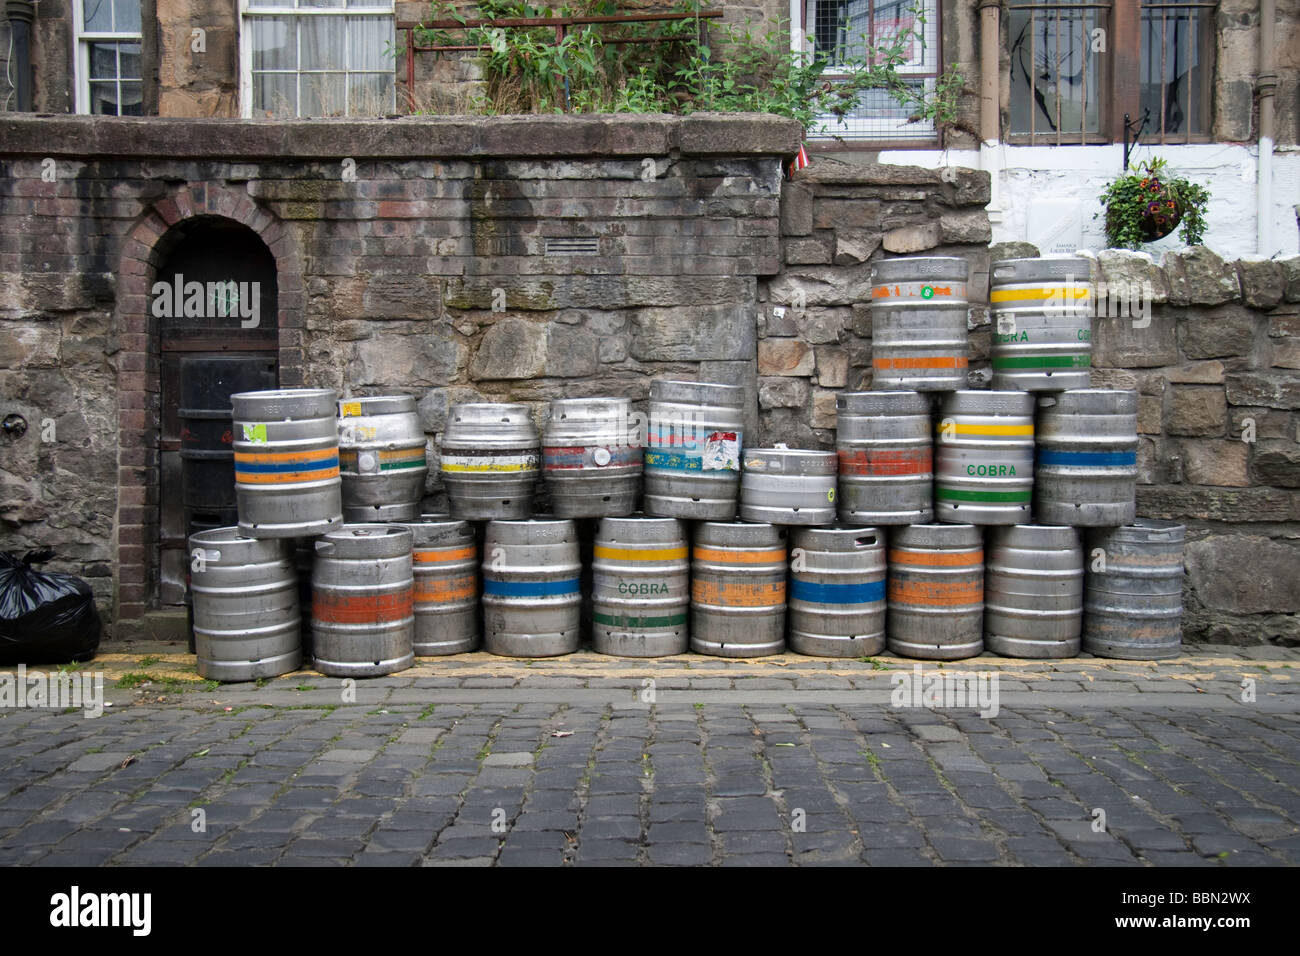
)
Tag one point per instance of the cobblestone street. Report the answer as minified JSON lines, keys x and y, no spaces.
{"x":483,"y":761}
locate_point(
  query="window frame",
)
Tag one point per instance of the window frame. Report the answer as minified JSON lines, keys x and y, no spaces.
{"x":81,"y":41}
{"x":1120,"y":80}
{"x":834,"y":138}
{"x":290,"y":9}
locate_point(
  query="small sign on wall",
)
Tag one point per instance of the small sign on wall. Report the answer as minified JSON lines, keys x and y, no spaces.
{"x":1055,"y":226}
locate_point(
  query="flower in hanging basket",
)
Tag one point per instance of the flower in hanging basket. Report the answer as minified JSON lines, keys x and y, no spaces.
{"x":1148,"y":204}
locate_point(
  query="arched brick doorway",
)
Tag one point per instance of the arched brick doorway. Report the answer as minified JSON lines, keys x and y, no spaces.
{"x":146,"y":249}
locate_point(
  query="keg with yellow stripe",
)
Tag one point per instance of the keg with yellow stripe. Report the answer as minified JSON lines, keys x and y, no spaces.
{"x":444,"y":589}
{"x":640,"y":587}
{"x":837,"y":592}
{"x":362,"y":609}
{"x":936,"y":591}
{"x":381,"y":458}
{"x":1041,"y":311}
{"x":738,"y":575}
{"x":286,"y":446}
{"x":918,"y":324}
{"x":984,"y":458}
{"x":490,"y":461}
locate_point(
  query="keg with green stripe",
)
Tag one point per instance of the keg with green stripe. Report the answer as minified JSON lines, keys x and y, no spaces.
{"x":640,"y":587}
{"x":490,"y":461}
{"x":381,"y":458}
{"x":1086,"y":471}
{"x":837,"y":592}
{"x":532,"y":603}
{"x":1041,"y":311}
{"x":286,"y":445}
{"x":984,"y":458}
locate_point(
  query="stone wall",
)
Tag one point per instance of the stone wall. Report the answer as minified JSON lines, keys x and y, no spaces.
{"x":425,"y":264}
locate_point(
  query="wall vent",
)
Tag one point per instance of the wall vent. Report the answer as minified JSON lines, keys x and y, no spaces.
{"x":572,"y":246}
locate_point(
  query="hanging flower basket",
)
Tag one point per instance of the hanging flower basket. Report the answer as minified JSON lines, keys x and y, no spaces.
{"x":1148,"y":204}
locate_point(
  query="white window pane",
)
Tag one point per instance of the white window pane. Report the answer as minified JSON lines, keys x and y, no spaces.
{"x":132,"y":99}
{"x":103,"y":61}
{"x":98,"y":15}
{"x":129,"y":60}
{"x":275,"y":95}
{"x":321,"y":3}
{"x":126,"y":16}
{"x":323,"y":94}
{"x":370,"y":94}
{"x":322,"y":43}
{"x":103,"y":98}
{"x":368,"y":38}
{"x":274,"y":46}
{"x":382,"y":4}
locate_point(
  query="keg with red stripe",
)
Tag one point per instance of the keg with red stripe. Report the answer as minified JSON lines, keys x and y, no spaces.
{"x":886,"y":458}
{"x":918,"y":324}
{"x":444,"y":564}
{"x":738,"y":589}
{"x":362,"y":606}
{"x":286,"y":462}
{"x":936,"y":591}
{"x":591,"y":457}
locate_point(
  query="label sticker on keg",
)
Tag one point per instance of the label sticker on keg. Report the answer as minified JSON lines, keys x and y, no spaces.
{"x":830,"y":495}
{"x":351,"y":409}
{"x":722,"y":452}
{"x":255,"y":433}
{"x":1006,"y":325}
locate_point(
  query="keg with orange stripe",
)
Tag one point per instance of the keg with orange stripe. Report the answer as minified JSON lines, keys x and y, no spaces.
{"x":936,"y":591}
{"x":738,"y":589}
{"x":444,"y":564}
{"x":886,"y":461}
{"x":640,"y":587}
{"x":918,"y":324}
{"x":362,"y":610}
{"x":286,"y":462}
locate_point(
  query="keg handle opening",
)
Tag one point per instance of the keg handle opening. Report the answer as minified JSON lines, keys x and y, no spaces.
{"x":866,"y":541}
{"x":324,"y":547}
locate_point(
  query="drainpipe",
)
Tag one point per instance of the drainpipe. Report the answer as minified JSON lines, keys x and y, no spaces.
{"x":1267,"y":87}
{"x":20,"y":14}
{"x":990,"y":114}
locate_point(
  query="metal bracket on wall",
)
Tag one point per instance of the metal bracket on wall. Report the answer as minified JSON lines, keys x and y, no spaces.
{"x":1137,"y":132}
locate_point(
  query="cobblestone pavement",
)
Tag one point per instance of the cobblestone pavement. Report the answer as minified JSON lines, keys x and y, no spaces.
{"x":480,"y":761}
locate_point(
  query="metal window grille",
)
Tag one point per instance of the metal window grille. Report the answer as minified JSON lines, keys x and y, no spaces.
{"x":840,"y":30}
{"x":1177,"y":66}
{"x":1058,"y":84}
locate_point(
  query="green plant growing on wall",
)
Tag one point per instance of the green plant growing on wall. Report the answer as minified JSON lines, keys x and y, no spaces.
{"x":1148,"y":203}
{"x":691,"y":66}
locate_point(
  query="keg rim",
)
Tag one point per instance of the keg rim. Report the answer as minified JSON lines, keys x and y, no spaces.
{"x":279,"y":393}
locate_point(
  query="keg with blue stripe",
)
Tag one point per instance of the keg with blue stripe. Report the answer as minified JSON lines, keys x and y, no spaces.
{"x":640,"y":587}
{"x":1041,"y":311}
{"x":490,"y":461}
{"x":692,"y":455}
{"x":532,"y":603}
{"x":286,"y":445}
{"x":1086,"y":470}
{"x":836,"y":604}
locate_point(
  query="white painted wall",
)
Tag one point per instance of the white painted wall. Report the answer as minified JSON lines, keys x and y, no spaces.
{"x":1033,"y":173}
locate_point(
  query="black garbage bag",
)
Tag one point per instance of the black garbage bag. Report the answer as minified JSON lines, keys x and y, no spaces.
{"x":45,"y":617}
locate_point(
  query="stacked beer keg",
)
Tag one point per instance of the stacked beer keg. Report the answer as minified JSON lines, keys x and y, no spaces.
{"x":946,"y":522}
